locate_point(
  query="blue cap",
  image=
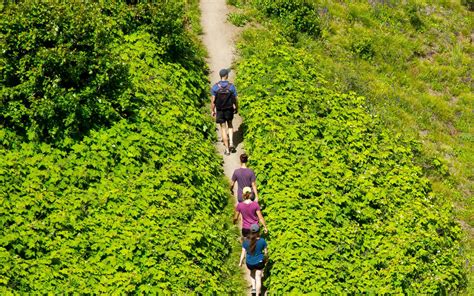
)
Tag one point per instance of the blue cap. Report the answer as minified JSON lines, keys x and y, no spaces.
{"x":254,"y":228}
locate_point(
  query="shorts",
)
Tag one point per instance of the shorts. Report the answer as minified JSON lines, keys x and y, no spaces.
{"x":223,"y":116}
{"x":245,"y":232}
{"x":259,"y":266}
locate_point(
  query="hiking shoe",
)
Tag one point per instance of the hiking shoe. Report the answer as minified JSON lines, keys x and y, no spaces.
{"x":226,"y":152}
{"x":232,"y":148}
{"x":254,"y":292}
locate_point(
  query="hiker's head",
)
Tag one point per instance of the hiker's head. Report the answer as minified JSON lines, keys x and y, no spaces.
{"x":224,"y":73}
{"x":244,"y":158}
{"x":246,"y":193}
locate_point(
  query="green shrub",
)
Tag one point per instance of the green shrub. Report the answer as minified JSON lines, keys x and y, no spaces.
{"x":59,"y":77}
{"x":237,"y":19}
{"x":414,"y":71}
{"x":415,"y":18}
{"x":135,"y":206}
{"x":232,"y":2}
{"x":295,"y":16}
{"x":469,"y":4}
{"x":348,"y":211}
{"x":363,"y":48}
{"x":131,"y":209}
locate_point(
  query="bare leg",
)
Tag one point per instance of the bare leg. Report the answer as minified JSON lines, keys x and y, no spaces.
{"x":252,"y":275}
{"x":258,"y":281}
{"x":231,"y":133}
{"x":223,"y":128}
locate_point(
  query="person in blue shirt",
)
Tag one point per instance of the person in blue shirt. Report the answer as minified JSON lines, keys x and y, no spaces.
{"x":223,"y":107}
{"x":254,"y":249}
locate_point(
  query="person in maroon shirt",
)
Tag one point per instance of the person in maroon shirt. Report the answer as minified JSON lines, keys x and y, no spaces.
{"x":250,"y":211}
{"x":244,"y":177}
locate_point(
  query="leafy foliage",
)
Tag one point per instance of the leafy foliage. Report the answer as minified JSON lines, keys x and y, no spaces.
{"x":127,"y":210}
{"x":60,"y":76}
{"x":57,"y":71}
{"x":348,"y":210}
{"x":295,"y":16}
{"x":413,"y":62}
{"x":469,"y":4}
{"x":237,"y":19}
{"x":134,"y":206}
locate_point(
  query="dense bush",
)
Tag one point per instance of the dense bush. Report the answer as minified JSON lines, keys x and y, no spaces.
{"x":412,"y":60}
{"x":295,"y":16}
{"x":60,"y":77}
{"x":132,"y":209}
{"x":348,"y":210}
{"x":135,"y":204}
{"x":469,"y":4}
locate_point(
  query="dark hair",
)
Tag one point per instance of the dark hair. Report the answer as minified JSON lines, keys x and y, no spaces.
{"x":253,"y":237}
{"x":243,"y":158}
{"x":224,"y":73}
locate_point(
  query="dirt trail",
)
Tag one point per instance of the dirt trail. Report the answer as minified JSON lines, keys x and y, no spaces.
{"x":219,"y":39}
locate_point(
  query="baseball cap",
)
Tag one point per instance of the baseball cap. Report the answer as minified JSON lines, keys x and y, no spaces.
{"x":224,"y":72}
{"x":254,"y":228}
{"x":246,"y":190}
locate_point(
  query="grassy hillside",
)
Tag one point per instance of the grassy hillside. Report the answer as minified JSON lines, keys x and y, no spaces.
{"x":109,"y":180}
{"x":411,"y":60}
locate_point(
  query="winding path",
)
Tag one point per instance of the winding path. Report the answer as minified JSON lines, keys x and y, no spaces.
{"x":219,"y":38}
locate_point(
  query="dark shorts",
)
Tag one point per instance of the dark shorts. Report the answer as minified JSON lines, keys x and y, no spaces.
{"x":245,"y":232}
{"x":259,"y":266}
{"x":223,"y":116}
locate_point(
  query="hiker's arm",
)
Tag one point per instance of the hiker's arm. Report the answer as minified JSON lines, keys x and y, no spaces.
{"x":236,"y":105}
{"x":213,"y":105}
{"x":262,"y":221}
{"x":242,"y":256}
{"x":233,"y":179}
{"x":254,"y":187}
{"x":236,"y":216}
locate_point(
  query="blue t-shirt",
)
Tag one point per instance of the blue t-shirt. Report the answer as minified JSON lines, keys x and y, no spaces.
{"x":258,"y":256}
{"x":223,"y":83}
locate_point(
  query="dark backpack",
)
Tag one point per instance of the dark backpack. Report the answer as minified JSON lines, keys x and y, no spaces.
{"x":224,"y":98}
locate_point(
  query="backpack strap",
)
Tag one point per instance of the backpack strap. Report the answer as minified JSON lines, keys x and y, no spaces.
{"x":221,"y":87}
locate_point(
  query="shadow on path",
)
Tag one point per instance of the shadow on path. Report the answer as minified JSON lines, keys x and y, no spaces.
{"x":239,"y":134}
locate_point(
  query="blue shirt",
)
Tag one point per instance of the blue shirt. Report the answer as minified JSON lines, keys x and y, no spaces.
{"x":258,"y":256}
{"x":223,"y":83}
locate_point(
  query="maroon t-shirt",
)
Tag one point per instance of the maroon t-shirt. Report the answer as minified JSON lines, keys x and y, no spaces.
{"x":244,"y":178}
{"x":249,"y":213}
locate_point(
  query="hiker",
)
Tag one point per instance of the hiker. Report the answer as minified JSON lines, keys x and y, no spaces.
{"x":223,"y":107}
{"x":244,"y":177}
{"x":254,"y":249}
{"x":250,"y":211}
